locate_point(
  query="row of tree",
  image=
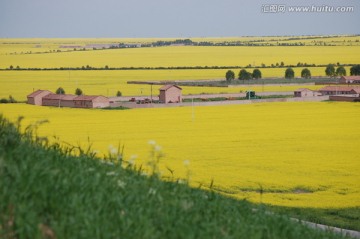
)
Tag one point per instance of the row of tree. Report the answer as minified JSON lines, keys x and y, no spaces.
{"x":107,"y":67}
{"x":61,"y":91}
{"x":330,"y":71}
{"x":243,"y":75}
{"x":78,"y":91}
{"x":340,"y":71}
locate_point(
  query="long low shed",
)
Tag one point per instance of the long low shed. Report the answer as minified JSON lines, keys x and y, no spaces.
{"x":47,"y":98}
{"x":95,"y":101}
{"x":58,"y":100}
{"x":339,"y":90}
{"x":350,"y":80}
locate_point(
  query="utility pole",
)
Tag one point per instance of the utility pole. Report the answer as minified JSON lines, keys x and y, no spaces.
{"x":151,"y":99}
{"x":193,"y":113}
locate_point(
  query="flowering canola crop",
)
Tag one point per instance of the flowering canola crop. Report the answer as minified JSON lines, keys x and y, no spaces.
{"x":107,"y":83}
{"x":302,"y":154}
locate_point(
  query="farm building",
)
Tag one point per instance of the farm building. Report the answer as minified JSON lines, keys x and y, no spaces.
{"x":304,"y":92}
{"x":339,"y":90}
{"x":350,"y":80}
{"x":91,"y":101}
{"x":346,"y":98}
{"x":58,"y":100}
{"x":170,"y":94}
{"x":47,"y":98}
{"x":36,"y":97}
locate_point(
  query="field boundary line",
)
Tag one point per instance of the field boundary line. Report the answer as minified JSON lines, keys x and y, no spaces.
{"x":313,"y":225}
{"x":344,"y":232}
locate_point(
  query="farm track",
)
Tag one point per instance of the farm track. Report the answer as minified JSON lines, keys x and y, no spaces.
{"x":317,"y":226}
{"x":344,"y":232}
{"x":201,"y":96}
{"x":217,"y":103}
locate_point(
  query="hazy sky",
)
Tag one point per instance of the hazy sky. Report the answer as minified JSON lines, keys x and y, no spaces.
{"x":170,"y":18}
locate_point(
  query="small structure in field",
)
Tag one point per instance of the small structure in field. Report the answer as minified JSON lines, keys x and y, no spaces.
{"x":91,"y":101}
{"x":36,"y":97}
{"x":350,"y":80}
{"x":305,"y":92}
{"x":47,"y":98}
{"x":170,"y":94}
{"x":250,"y":94}
{"x":339,"y":90}
{"x":58,"y":100}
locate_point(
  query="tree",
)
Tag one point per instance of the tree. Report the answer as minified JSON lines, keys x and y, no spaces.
{"x":330,"y":70}
{"x":305,"y":73}
{"x":12,"y":99}
{"x":78,"y":91}
{"x":11,"y":67}
{"x":256,"y":74}
{"x":355,"y":70}
{"x":60,"y":91}
{"x":289,"y":73}
{"x":118,"y":94}
{"x":340,"y":71}
{"x":230,"y":75}
{"x":244,"y":75}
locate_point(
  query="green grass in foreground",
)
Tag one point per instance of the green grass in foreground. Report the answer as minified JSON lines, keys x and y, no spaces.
{"x":47,"y":193}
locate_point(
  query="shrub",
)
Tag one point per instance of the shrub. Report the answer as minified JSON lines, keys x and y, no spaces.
{"x":230,"y":75}
{"x":305,"y":73}
{"x":330,"y":70}
{"x":340,"y":71}
{"x":4,"y":101}
{"x":289,"y":73}
{"x":355,"y":70}
{"x":78,"y":91}
{"x":60,"y":91}
{"x":244,"y":75}
{"x":257,"y":74}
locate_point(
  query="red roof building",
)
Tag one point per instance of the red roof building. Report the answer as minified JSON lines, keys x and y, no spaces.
{"x":47,"y":98}
{"x":170,"y":94}
{"x":350,"y":80}
{"x":36,"y":97}
{"x":304,"y":92}
{"x":58,"y":100}
{"x":339,"y":90}
{"x":91,"y":101}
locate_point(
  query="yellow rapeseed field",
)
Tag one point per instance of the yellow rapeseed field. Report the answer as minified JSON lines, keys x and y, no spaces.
{"x":21,"y":83}
{"x":301,"y":154}
{"x":26,"y":45}
{"x":187,"y":56}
